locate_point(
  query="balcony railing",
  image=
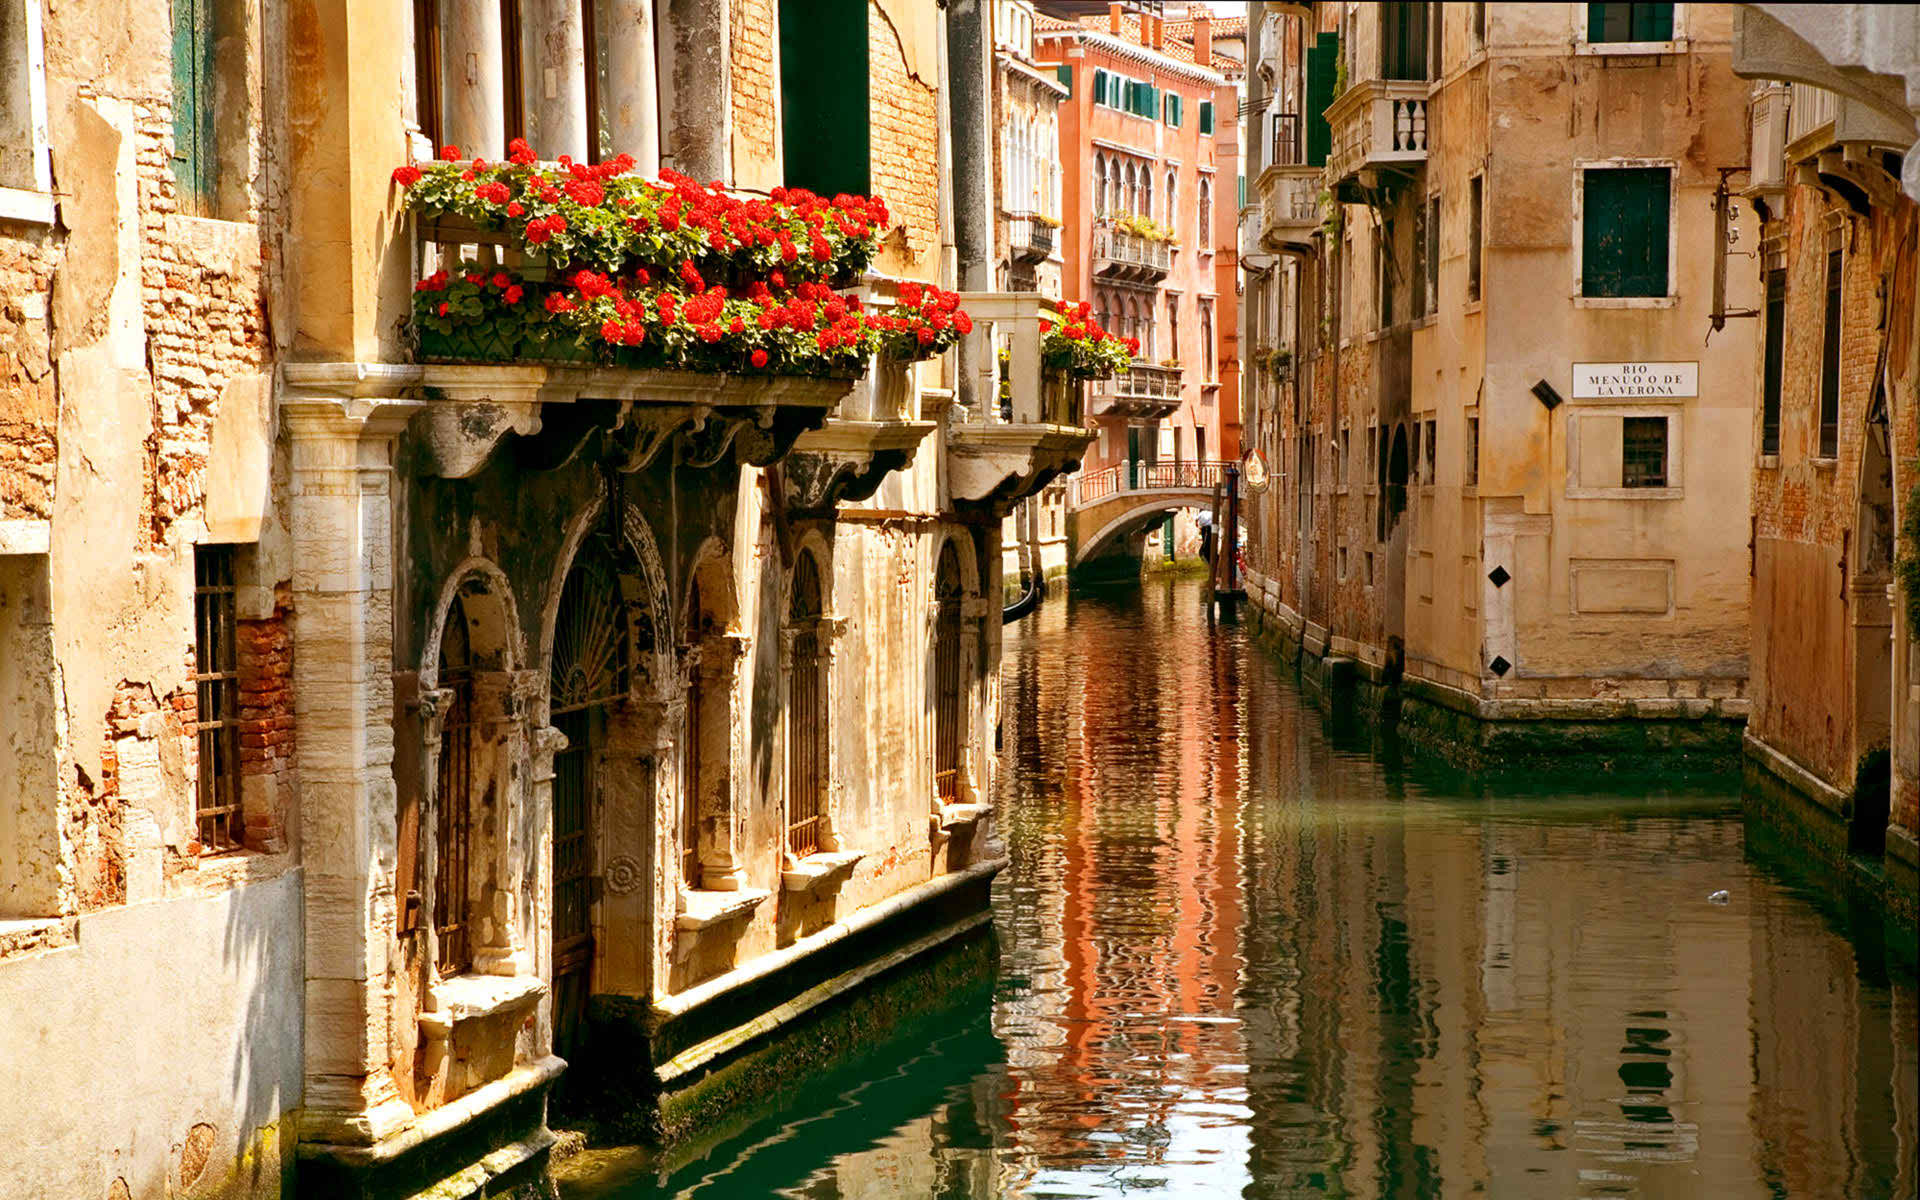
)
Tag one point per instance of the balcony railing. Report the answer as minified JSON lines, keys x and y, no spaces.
{"x":1146,"y":391}
{"x":1144,"y":477}
{"x":1377,"y":123}
{"x":1013,"y":321}
{"x":1768,"y":151}
{"x":1290,"y":206}
{"x":1029,"y":237}
{"x":1121,"y":254}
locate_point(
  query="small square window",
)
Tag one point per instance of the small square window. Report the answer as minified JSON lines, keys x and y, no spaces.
{"x":1643,"y":452}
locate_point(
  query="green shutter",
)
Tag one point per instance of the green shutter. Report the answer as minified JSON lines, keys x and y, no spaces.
{"x":1206,"y":116}
{"x":1323,"y":58}
{"x":1064,"y":73}
{"x":1153,"y":102}
{"x":1624,"y":232}
{"x":193,"y":104}
{"x":1629,"y":22}
{"x":825,"y":113}
{"x":1243,"y":191}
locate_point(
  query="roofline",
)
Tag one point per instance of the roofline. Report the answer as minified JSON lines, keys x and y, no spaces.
{"x":1121,"y":48}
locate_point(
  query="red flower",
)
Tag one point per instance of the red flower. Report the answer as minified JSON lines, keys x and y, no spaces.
{"x":443,"y":308}
{"x":500,"y":279}
{"x":493,"y":193}
{"x":1133,"y":345}
{"x":407,"y":176}
{"x":788,"y":252}
{"x":514,"y":209}
{"x":512,"y":295}
{"x":963,"y":322}
{"x":450,"y":153}
{"x":821,"y":250}
{"x":520,"y":152}
{"x":758,"y":358}
{"x":925,"y":335}
{"x":556,"y":303}
{"x":610,"y":331}
{"x":586,"y":193}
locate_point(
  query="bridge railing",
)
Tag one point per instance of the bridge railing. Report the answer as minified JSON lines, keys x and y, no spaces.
{"x":1091,"y":487}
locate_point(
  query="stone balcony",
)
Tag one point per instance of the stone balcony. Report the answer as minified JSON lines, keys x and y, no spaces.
{"x":1289,"y":207}
{"x":1030,"y":237}
{"x":1126,"y":257}
{"x":1377,"y":124}
{"x":997,"y":457}
{"x":1147,"y":392}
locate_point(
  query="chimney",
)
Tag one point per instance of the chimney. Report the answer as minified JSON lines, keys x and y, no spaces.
{"x":1113,"y":17}
{"x":1203,"y":39}
{"x":1159,"y":32}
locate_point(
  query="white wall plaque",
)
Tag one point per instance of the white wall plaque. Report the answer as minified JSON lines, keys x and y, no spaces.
{"x":1629,"y":380}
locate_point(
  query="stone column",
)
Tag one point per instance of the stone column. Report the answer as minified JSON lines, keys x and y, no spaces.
{"x":342,"y":528}
{"x":630,"y":97}
{"x":473,"y":106}
{"x":557,"y":121}
{"x":695,"y":83}
{"x":971,"y":166}
{"x":718,"y":812}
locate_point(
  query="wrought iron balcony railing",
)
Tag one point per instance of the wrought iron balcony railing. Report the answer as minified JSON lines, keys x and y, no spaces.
{"x":1030,"y":237}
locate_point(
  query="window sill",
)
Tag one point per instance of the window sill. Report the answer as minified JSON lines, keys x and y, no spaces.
{"x":1625,"y":301}
{"x":26,"y":207}
{"x":953,"y":816}
{"x":461,"y":998}
{"x":1630,"y":49}
{"x":25,"y":535}
{"x":1626,"y":493}
{"x":820,"y":872}
{"x":1768,"y":462}
{"x":703,"y":909}
{"x":1473,"y":306}
{"x":1823,"y":464}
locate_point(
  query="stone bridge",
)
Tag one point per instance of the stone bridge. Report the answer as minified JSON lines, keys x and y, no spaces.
{"x":1114,"y":503}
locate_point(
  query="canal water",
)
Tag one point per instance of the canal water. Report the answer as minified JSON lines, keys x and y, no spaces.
{"x":1247,"y":952}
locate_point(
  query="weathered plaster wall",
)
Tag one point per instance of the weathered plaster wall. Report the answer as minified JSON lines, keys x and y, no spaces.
{"x":903,"y":103}
{"x":160,"y":1053}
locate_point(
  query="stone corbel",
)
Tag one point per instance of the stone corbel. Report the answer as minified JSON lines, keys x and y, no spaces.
{"x":643,"y":430}
{"x":546,"y":742}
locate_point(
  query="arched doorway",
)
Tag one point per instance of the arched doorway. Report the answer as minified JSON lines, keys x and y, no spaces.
{"x":806,"y":714}
{"x":949,"y":592}
{"x":590,"y":671}
{"x":451,"y":898}
{"x":1871,"y":610}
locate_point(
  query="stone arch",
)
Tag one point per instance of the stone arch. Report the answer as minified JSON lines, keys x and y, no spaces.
{"x":707,"y":835}
{"x":484,"y":599}
{"x":652,"y":593}
{"x":1136,"y":516}
{"x":1870,"y":615}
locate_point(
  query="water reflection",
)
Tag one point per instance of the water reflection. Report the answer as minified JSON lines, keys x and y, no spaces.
{"x":1241,"y":956}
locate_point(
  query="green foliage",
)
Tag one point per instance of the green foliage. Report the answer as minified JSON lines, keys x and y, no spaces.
{"x":1907,"y":565}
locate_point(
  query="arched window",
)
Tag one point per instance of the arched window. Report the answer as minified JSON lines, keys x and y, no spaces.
{"x":1146,"y":192}
{"x":1203,"y":236}
{"x":949,"y":596}
{"x":453,"y":800}
{"x":1131,"y":200}
{"x":1099,"y":184}
{"x":1173,"y":211}
{"x":806,"y":714}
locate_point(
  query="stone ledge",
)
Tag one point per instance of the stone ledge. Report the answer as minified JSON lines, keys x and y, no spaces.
{"x":953,"y":816}
{"x":818,"y":872}
{"x":471,"y":997}
{"x":534,"y":1076}
{"x":701,"y":909}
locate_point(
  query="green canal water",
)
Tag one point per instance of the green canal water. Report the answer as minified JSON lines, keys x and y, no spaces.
{"x":1246,"y":953}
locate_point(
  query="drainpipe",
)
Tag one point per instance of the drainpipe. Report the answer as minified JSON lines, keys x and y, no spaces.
{"x":969,"y":168}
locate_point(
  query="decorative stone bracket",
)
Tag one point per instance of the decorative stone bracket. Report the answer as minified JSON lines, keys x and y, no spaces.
{"x":848,"y":460}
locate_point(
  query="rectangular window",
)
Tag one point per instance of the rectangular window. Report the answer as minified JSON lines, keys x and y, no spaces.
{"x":1775,"y":334}
{"x":512,"y":81}
{"x":1830,"y":354}
{"x":193,"y":84}
{"x":1417,"y":459}
{"x":1643,"y":452}
{"x":1430,"y":300}
{"x":1479,"y":25}
{"x":1206,"y":116}
{"x":1629,"y":22}
{"x":1173,"y":111}
{"x":1624,"y":217}
{"x":1428,"y":473}
{"x":1099,"y":86}
{"x":426,"y":69}
{"x":1064,"y":73}
{"x":1346,"y":452}
{"x":1472,"y":477}
{"x":1475,"y":195}
{"x":216,"y":678}
{"x":1403,"y":39}
{"x":1206,"y":341}
{"x":1383,"y":270}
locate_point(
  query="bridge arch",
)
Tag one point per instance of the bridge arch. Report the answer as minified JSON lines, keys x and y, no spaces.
{"x":1138,"y":510}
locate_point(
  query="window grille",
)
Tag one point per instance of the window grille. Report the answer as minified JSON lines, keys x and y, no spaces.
{"x":1643,"y":452}
{"x":1774,"y":361}
{"x":806,"y":714}
{"x":1830,"y":353}
{"x":216,"y":684}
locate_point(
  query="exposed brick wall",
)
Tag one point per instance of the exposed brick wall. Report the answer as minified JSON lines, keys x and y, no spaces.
{"x":27,"y":403}
{"x":906,"y":138}
{"x":206,"y":325}
{"x":756,"y":97}
{"x":266,"y":722}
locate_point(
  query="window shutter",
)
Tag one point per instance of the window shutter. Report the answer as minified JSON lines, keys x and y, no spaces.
{"x":1206,"y":116}
{"x":1322,"y":62}
{"x":1624,"y":232}
{"x":1653,"y":22}
{"x":1064,"y":73}
{"x":1099,"y":87}
{"x":826,"y":141}
{"x":192,"y":104}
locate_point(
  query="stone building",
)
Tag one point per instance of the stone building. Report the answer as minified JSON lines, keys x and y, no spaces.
{"x":1504,"y":487}
{"x":1150,"y":155}
{"x":391,"y":724}
{"x":1833,"y":741}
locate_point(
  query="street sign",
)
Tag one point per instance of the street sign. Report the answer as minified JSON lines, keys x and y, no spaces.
{"x":1635,"y":380}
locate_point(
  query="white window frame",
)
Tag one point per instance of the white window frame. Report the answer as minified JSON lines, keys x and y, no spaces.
{"x":1678,"y":44}
{"x":1676,"y":433}
{"x":1578,"y":234}
{"x":33,"y":205}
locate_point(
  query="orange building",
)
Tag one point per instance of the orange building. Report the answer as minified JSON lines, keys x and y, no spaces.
{"x":1150,"y":169}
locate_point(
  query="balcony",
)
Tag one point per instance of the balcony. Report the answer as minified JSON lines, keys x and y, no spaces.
{"x":996,"y":457}
{"x":1837,"y":142}
{"x":1147,"y":392}
{"x":1767,"y":152}
{"x":1126,"y":257}
{"x":1377,"y":124}
{"x":1289,"y":207}
{"x":479,"y":393}
{"x":1030,"y":237}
